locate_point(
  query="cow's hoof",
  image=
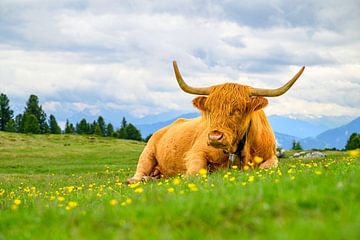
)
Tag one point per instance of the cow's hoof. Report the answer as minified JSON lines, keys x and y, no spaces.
{"x":268,"y":164}
{"x":132,"y":181}
{"x":148,"y":178}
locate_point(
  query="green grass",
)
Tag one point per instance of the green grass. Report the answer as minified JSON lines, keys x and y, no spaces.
{"x":69,"y":187}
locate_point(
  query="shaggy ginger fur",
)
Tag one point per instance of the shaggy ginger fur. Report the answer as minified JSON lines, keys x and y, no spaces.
{"x":182,"y":147}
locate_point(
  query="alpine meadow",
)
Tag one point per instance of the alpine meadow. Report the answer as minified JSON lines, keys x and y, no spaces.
{"x":70,"y":187}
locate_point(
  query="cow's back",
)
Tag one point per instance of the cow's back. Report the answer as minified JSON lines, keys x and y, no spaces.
{"x":171,"y":143}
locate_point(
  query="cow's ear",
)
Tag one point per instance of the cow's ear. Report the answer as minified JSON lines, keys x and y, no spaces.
{"x":258,"y":103}
{"x":199,"y":103}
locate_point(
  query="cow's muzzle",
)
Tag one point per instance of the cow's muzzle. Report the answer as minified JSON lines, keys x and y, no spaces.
{"x":216,"y":139}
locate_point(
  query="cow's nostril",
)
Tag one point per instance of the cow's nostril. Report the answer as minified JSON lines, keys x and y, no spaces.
{"x":215,"y":135}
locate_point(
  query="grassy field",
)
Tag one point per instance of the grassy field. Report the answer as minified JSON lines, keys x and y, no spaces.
{"x":70,"y":187}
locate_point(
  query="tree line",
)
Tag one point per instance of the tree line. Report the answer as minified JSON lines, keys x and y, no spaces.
{"x":34,"y":120}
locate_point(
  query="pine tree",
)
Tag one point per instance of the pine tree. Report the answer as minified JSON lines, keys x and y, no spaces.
{"x":10,"y":126}
{"x":72,"y":128}
{"x":98,"y":130}
{"x":6,"y":114}
{"x":92,"y":127}
{"x":69,"y":127}
{"x":296,"y":145}
{"x":19,"y":123}
{"x":123,"y":123}
{"x":133,"y":133}
{"x":109,"y":130}
{"x":30,"y":124}
{"x":122,"y":133}
{"x":101,"y":123}
{"x":53,"y":125}
{"x":353,"y":142}
{"x":33,"y":107}
{"x":82,"y":127}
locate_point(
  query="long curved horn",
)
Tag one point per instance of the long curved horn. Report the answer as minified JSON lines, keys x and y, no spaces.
{"x":187,"y":88}
{"x":278,"y":91}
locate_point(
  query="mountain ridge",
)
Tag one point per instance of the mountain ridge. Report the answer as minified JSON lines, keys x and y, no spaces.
{"x":321,"y":136}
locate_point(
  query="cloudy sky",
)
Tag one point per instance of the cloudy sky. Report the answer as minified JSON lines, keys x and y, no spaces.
{"x":85,"y":58}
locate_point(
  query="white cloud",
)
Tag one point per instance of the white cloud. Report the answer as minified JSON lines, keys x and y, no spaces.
{"x":109,"y":56}
{"x":51,"y":106}
{"x":300,"y":107}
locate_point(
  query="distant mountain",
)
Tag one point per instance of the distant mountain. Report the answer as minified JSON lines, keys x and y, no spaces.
{"x":338,"y":137}
{"x":147,"y":129}
{"x":313,"y":143}
{"x":285,"y":125}
{"x":285,"y":141}
{"x":295,"y":127}
{"x":287,"y":130}
{"x":325,"y":121}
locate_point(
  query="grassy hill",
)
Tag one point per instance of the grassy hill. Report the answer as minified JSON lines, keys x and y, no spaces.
{"x":70,"y":187}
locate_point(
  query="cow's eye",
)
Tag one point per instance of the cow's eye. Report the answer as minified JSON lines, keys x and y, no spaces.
{"x":235,"y":111}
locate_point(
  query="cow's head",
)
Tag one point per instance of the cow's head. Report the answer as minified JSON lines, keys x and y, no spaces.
{"x":228,"y":108}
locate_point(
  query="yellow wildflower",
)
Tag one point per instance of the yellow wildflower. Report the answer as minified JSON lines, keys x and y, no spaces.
{"x":171,"y":190}
{"x":193,"y":187}
{"x":318,"y":172}
{"x":134,"y":185}
{"x":258,"y":159}
{"x":52,"y":198}
{"x":203,"y":172}
{"x":128,"y":201}
{"x":70,"y":188}
{"x":251,"y":178}
{"x":139,"y":190}
{"x":113,"y":202}
{"x":243,"y":184}
{"x":60,"y":199}
{"x":17,"y":202}
{"x":72,"y":204}
{"x":234,"y":167}
{"x":246,"y":167}
{"x":176,"y":181}
{"x":232,"y":179}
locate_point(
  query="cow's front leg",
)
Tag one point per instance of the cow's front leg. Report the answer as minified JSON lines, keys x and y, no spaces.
{"x":269,"y":163}
{"x":195,"y":162}
{"x":145,"y":167}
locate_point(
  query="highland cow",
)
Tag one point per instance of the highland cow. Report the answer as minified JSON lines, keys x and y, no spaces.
{"x":232,"y":129}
